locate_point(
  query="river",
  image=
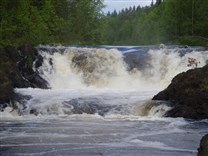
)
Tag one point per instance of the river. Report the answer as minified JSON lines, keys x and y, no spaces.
{"x":99,"y":103}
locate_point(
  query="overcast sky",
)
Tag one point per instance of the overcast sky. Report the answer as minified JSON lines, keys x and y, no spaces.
{"x":111,"y":5}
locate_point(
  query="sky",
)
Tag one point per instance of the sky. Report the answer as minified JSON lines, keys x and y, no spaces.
{"x":117,"y":5}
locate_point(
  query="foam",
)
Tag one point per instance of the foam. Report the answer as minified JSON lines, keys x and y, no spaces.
{"x":81,"y":68}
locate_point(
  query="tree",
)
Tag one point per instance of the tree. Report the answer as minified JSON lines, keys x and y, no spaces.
{"x":152,"y":3}
{"x":168,"y":21}
{"x":46,"y":21}
{"x":158,"y":2}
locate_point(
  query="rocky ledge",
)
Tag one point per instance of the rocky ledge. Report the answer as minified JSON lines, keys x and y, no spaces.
{"x":203,"y":148}
{"x":16,"y":70}
{"x":188,"y":94}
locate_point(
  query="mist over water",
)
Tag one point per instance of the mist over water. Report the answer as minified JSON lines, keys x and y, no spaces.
{"x":99,"y":103}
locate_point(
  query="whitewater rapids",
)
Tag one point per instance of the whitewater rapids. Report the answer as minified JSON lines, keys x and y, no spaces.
{"x":103,"y":81}
{"x":99,"y":103}
{"x":78,"y":68}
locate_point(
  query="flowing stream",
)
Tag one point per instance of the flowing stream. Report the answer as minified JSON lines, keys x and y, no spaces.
{"x":99,"y":103}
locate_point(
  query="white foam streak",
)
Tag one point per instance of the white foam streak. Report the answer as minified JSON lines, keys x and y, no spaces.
{"x":158,"y":145}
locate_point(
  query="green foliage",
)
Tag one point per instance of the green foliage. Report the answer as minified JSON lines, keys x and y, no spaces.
{"x":49,"y":21}
{"x":167,"y":21}
{"x":82,"y":22}
{"x":193,"y":40}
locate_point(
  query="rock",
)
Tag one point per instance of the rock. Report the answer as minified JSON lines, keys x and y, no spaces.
{"x":20,"y":72}
{"x":12,"y":53}
{"x":28,"y":51}
{"x":36,"y":81}
{"x":38,"y":62}
{"x":29,"y":54}
{"x":188,"y":93}
{"x":16,"y":70}
{"x":6,"y":92}
{"x":134,"y":60}
{"x":89,"y":106}
{"x":203,"y":149}
{"x":30,"y":78}
{"x":6,"y":88}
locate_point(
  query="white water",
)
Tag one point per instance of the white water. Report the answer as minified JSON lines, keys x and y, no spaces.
{"x":97,"y":107}
{"x":78,"y":68}
{"x":97,"y":81}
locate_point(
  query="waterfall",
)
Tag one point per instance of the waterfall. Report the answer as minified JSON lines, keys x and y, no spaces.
{"x":106,"y":68}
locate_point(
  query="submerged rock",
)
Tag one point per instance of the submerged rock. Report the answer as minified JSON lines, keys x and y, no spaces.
{"x":203,"y":149}
{"x":135,"y":60}
{"x":188,"y":92}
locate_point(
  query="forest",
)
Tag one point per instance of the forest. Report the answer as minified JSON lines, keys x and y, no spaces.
{"x":50,"y":21}
{"x":84,"y":22}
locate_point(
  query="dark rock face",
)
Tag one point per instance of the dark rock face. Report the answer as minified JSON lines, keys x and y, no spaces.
{"x":6,"y":71}
{"x":203,"y":149}
{"x":188,"y":92}
{"x":16,"y":70}
{"x":22,"y":59}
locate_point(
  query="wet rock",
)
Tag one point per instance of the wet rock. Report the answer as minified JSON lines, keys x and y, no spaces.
{"x":188,"y":92}
{"x":203,"y":149}
{"x":6,"y":93}
{"x":29,"y":54}
{"x":89,"y":106}
{"x":30,"y":77}
{"x":80,"y":60}
{"x":6,"y":88}
{"x":12,"y":53}
{"x":16,"y":70}
{"x":28,"y":50}
{"x":38,"y":62}
{"x":135,"y":60}
{"x":19,"y":70}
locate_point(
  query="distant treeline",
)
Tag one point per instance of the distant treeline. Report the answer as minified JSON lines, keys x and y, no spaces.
{"x":167,"y":21}
{"x":83,"y":22}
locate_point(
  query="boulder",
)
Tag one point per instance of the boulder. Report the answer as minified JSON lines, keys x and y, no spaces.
{"x":203,"y":148}
{"x":188,"y":93}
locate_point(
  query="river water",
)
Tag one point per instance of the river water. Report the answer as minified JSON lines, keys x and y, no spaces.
{"x":100,"y":104}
